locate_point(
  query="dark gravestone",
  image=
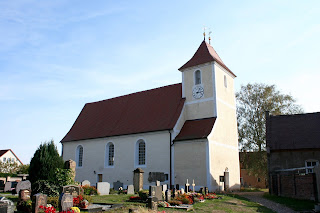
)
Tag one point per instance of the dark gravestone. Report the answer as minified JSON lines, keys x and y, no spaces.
{"x":154,"y":176}
{"x":37,"y":201}
{"x":177,"y":186}
{"x":171,"y":187}
{"x":3,"y":207}
{"x":73,"y":190}
{"x":23,"y":185}
{"x":174,"y":193}
{"x":24,"y":194}
{"x":206,"y":191}
{"x":202,"y":190}
{"x":1,"y":184}
{"x":168,"y":195}
{"x":65,"y":202}
{"x":117,"y":185}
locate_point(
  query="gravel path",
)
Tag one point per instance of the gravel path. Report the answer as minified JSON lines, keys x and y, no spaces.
{"x":258,"y":198}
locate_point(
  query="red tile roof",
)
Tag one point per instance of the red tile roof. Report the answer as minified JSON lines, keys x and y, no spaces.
{"x":204,"y":54}
{"x":146,"y":111}
{"x":2,"y":152}
{"x":292,"y":132}
{"x":196,"y":129}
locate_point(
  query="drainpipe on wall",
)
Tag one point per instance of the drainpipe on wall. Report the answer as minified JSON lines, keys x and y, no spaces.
{"x":170,"y":160}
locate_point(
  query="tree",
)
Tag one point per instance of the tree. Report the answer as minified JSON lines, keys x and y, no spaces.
{"x":23,"y":169}
{"x":46,"y":172}
{"x":44,"y":163}
{"x":8,"y":167}
{"x":253,"y":100}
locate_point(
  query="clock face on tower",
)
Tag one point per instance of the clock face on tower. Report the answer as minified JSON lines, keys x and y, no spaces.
{"x":198,"y":92}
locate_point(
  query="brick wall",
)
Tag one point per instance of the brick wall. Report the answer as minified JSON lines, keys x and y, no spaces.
{"x":294,"y":185}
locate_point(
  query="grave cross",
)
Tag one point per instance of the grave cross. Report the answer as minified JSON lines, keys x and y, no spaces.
{"x":187,"y":186}
{"x":193,"y":185}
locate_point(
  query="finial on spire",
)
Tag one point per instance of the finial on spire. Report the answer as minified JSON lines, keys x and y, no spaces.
{"x":204,"y":32}
{"x":209,"y":36}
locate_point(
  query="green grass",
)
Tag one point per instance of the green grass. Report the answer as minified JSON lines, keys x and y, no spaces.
{"x":253,"y":190}
{"x":295,"y":204}
{"x":228,"y":203}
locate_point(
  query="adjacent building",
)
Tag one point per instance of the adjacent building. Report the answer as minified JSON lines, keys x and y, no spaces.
{"x":7,"y":155}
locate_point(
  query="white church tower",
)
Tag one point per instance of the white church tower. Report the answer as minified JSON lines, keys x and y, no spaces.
{"x":206,"y":142}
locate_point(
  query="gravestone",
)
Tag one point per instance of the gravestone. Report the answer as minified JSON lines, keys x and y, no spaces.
{"x":154,"y":176}
{"x":65,"y":202}
{"x":3,"y":207}
{"x":177,"y":186}
{"x":103,"y":188}
{"x":138,"y":179}
{"x":171,"y":187}
{"x":158,"y":183}
{"x":202,"y":191}
{"x":130,"y":190}
{"x":73,"y":190}
{"x":206,"y":191}
{"x":24,"y":194}
{"x":26,"y":184}
{"x":37,"y":201}
{"x":7,"y":186}
{"x":193,"y":185}
{"x":164,"y":188}
{"x":85,"y":183}
{"x":168,"y":195}
{"x":1,"y":184}
{"x":117,"y":185}
{"x":156,"y":192}
{"x":71,"y":164}
{"x":174,"y":192}
{"x":182,"y":191}
{"x":152,"y":203}
{"x":10,"y":205}
{"x":186,"y":186}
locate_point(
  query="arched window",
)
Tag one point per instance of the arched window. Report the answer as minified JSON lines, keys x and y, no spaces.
{"x":110,"y":154}
{"x":197,"y":77}
{"x":79,"y":156}
{"x":225,"y":82}
{"x":141,"y":153}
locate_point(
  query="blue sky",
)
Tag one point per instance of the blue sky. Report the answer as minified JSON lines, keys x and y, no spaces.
{"x":55,"y":56}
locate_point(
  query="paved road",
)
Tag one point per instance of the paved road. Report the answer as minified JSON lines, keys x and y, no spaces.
{"x":258,"y":198}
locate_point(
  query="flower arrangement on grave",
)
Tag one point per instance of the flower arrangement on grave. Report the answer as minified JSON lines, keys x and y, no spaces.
{"x":75,"y":209}
{"x":79,"y":201}
{"x":163,"y":204}
{"x":122,"y":191}
{"x":89,"y":190}
{"x":210,"y":196}
{"x":143,"y":194}
{"x":135,"y":198}
{"x":175,"y":202}
{"x":47,"y":209}
{"x":24,"y":206}
{"x":185,"y":198}
{"x":197,"y":197}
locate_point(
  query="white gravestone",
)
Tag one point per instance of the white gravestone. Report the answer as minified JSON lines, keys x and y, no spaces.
{"x":130,"y":190}
{"x":85,"y":182}
{"x":103,"y":188}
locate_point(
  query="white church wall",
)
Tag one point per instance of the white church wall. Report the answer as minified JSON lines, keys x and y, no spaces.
{"x":224,"y":138}
{"x":190,"y":162}
{"x":157,"y":157}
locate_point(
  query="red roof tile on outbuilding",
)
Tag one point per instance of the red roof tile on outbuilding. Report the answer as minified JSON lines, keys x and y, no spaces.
{"x":146,"y":111}
{"x":204,"y":54}
{"x":196,"y":129}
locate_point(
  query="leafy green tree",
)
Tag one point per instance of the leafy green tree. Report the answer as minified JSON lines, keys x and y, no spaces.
{"x":23,"y":169}
{"x":253,"y":100}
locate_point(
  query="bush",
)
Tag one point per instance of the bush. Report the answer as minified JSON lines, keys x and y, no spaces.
{"x":90,"y":190}
{"x":143,"y":194}
{"x":175,"y":202}
{"x":45,"y":187}
{"x":54,"y":201}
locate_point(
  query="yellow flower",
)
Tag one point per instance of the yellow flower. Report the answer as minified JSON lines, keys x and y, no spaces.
{"x":75,"y":209}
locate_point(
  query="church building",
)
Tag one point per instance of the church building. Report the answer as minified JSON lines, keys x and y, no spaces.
{"x":173,"y":133}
